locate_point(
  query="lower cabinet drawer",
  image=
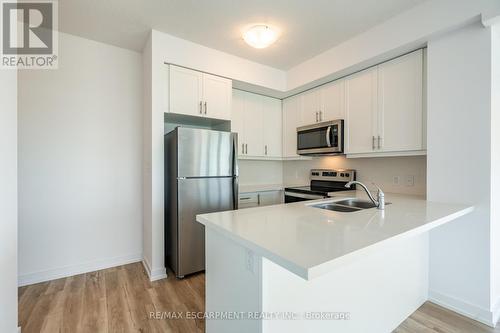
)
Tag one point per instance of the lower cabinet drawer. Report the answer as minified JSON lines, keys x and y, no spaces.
{"x":247,"y":200}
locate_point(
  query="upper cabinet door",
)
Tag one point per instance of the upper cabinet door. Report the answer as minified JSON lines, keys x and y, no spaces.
{"x":361,"y":112}
{"x":217,"y":93}
{"x":291,"y":120}
{"x":272,"y":116}
{"x":400,"y":103}
{"x":333,"y":101}
{"x":309,"y":111}
{"x":186,"y":88}
{"x":238,"y":118}
{"x":253,"y":120}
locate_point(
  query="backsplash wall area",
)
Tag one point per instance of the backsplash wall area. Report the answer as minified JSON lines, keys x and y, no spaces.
{"x":254,"y":172}
{"x":380,"y":170}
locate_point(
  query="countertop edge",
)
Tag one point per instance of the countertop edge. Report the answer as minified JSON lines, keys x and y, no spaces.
{"x":325,"y":268}
{"x":292,"y":267}
{"x":310,"y":273}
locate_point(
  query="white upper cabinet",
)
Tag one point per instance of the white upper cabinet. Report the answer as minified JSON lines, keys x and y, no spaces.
{"x":400,"y":103}
{"x":272,"y":116}
{"x":310,"y":107}
{"x":384,"y":107}
{"x":186,"y":91}
{"x":361,"y":112}
{"x":217,"y":95}
{"x":323,"y":103}
{"x":253,"y":125}
{"x":333,"y":101}
{"x":257,"y":120}
{"x":291,"y":120}
{"x":198,"y":94}
{"x":238,"y":118}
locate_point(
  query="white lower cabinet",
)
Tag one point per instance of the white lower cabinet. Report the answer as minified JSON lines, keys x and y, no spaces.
{"x":258,"y":121}
{"x":264,"y":198}
{"x":248,"y":200}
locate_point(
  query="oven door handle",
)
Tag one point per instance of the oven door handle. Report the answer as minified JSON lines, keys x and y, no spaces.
{"x":304,"y":195}
{"x":328,"y":131}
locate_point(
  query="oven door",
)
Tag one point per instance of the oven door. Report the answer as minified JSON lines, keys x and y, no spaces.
{"x":296,"y":197}
{"x":321,"y":139}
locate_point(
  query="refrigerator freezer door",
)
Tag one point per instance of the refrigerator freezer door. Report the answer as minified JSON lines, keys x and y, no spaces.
{"x":206,"y":153}
{"x":199,"y":196}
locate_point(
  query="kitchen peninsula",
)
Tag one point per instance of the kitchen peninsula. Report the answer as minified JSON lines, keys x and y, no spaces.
{"x":299,"y":268}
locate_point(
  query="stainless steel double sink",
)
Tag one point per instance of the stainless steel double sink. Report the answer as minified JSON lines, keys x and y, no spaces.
{"x":347,"y":205}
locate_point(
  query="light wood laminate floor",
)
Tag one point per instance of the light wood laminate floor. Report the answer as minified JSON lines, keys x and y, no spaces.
{"x":121,"y":299}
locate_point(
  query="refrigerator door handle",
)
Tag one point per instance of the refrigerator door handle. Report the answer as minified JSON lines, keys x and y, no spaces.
{"x":235,"y":173}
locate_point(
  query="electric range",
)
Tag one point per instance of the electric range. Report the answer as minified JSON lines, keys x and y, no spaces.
{"x":324,"y":183}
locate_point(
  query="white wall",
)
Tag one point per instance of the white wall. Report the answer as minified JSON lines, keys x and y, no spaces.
{"x":380,"y":170}
{"x":8,"y":201}
{"x":147,"y":158}
{"x":458,"y":167}
{"x":80,"y":152}
{"x":495,"y":172}
{"x":181,"y":52}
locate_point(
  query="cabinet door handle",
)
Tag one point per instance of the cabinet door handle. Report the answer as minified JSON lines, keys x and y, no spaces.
{"x":205,"y":107}
{"x":316,"y":116}
{"x":320,"y":115}
{"x":373,"y":142}
{"x":258,"y":199}
{"x":266,"y":149}
{"x":378,"y":142}
{"x":246,"y":148}
{"x":242,"y":148}
{"x":201,"y":111}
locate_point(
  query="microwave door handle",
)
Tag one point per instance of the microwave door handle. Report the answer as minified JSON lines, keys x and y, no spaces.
{"x":328,"y":131}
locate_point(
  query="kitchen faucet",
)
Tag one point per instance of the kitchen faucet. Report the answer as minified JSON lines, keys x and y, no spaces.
{"x":380,"y":203}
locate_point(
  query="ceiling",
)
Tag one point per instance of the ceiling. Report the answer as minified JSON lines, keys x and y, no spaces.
{"x":308,"y":27}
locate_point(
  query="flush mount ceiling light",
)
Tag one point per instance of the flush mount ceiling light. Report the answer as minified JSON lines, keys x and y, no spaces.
{"x":260,"y":36}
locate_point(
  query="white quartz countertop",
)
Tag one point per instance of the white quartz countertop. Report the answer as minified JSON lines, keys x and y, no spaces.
{"x":310,"y":241}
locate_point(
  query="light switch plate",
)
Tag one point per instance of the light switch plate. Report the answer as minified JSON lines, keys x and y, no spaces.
{"x":396,"y":180}
{"x":410,"y":180}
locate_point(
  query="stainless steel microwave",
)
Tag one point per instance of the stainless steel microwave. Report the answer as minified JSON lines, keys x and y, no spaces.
{"x":326,"y":138}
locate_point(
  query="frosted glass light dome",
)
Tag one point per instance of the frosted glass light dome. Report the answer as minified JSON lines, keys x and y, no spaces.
{"x":260,"y":36}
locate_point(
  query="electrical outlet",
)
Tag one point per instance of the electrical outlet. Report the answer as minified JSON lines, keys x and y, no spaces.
{"x":396,"y":180}
{"x":250,"y":260}
{"x":410,"y":180}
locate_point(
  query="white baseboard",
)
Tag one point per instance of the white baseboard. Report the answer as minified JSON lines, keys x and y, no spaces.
{"x":155,"y":275}
{"x":62,"y":272}
{"x":472,"y":311}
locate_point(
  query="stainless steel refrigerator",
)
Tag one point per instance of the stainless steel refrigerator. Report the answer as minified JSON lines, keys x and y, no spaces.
{"x":201,"y":176}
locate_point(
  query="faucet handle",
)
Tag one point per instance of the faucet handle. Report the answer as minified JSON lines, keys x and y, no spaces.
{"x":379,"y":190}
